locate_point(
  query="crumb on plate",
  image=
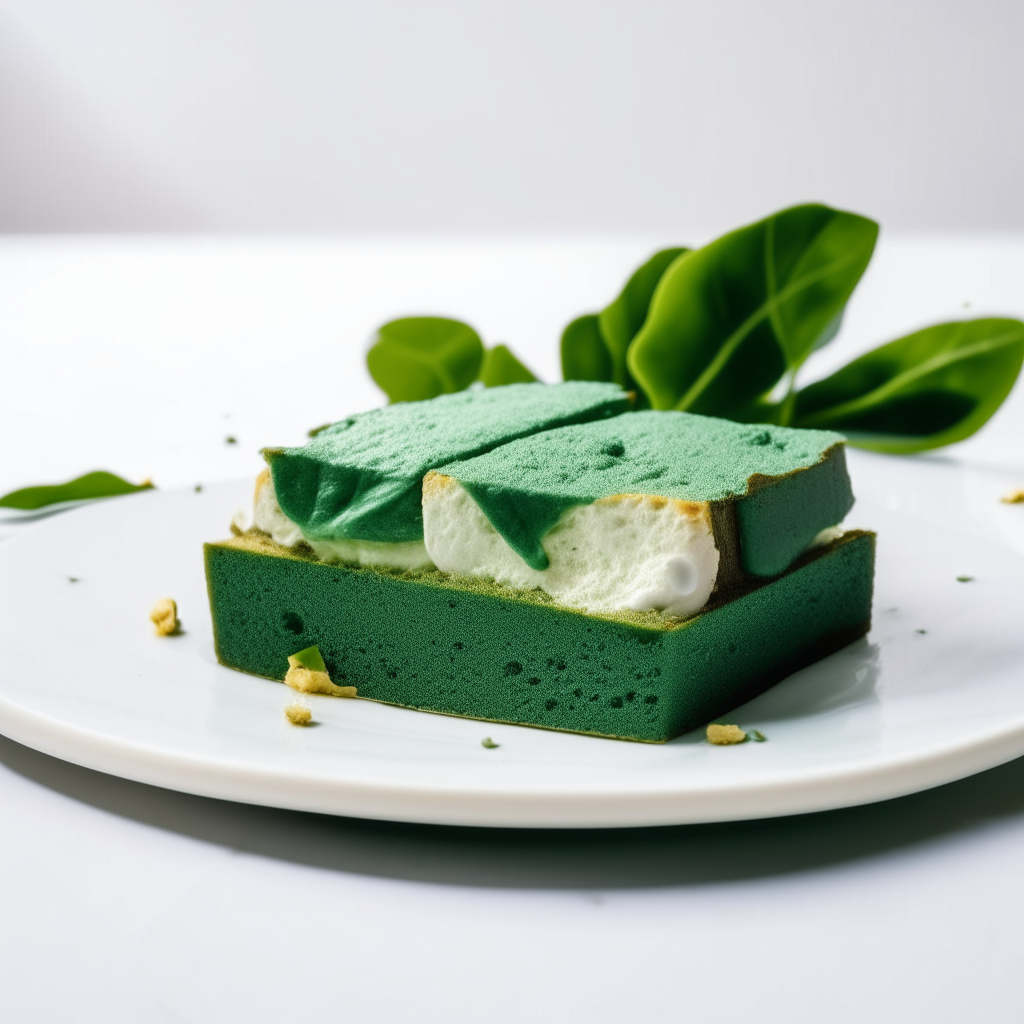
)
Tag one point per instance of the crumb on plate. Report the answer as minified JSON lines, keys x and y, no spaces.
{"x":1014,"y":497}
{"x":298,"y":713}
{"x":164,"y":617}
{"x":725,"y":735}
{"x":307,"y":673}
{"x":489,"y":743}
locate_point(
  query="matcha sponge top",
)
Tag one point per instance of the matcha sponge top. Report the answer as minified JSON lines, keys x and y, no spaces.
{"x":362,"y":478}
{"x":524,"y":487}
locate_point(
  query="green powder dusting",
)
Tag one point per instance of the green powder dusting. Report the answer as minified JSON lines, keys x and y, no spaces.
{"x":361,"y":478}
{"x":524,"y":487}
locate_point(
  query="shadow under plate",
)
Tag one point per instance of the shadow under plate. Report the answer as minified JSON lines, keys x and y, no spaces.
{"x":544,"y":858}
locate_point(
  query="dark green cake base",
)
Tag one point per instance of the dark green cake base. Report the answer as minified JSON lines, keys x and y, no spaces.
{"x":465,"y":647}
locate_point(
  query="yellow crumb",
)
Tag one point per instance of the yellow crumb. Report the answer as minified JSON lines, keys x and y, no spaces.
{"x":1014,"y":497}
{"x":297,"y":713}
{"x":164,"y":617}
{"x":307,"y":680}
{"x":697,"y":510}
{"x":261,"y":481}
{"x":434,"y":483}
{"x":725,"y":735}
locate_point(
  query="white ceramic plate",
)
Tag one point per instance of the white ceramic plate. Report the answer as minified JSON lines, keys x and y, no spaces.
{"x":935,"y":692}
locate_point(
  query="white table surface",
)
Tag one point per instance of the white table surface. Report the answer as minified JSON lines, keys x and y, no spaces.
{"x":120,"y":902}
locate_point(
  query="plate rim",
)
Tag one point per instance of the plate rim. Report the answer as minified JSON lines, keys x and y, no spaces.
{"x":795,"y":791}
{"x":799,"y":792}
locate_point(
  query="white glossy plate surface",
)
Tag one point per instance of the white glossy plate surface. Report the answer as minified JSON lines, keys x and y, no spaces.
{"x":934,"y":693}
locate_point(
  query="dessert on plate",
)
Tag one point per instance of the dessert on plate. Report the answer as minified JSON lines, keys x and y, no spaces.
{"x":541,"y":555}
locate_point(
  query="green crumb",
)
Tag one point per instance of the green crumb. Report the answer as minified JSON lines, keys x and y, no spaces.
{"x":756,"y":735}
{"x":309,"y":658}
{"x":231,"y":439}
{"x":73,"y":579}
{"x":489,"y":743}
{"x":921,"y":631}
{"x":965,"y":579}
{"x":197,"y":488}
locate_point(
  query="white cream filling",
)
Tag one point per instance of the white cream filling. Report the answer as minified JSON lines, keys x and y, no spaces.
{"x":825,"y":537}
{"x":629,"y":551}
{"x":267,"y":516}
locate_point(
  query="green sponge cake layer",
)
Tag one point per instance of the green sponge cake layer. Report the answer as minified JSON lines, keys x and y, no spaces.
{"x":467,"y":647}
{"x":788,"y":484}
{"x":361,"y":479}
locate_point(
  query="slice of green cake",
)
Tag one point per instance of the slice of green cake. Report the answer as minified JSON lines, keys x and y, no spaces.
{"x":466,"y":646}
{"x":361,"y":479}
{"x":578,"y":567}
{"x":647,"y":511}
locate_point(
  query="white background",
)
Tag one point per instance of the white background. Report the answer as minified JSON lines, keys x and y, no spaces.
{"x":668,"y":116}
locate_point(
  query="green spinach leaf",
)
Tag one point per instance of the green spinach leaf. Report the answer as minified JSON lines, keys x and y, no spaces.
{"x":421,"y":357}
{"x":928,"y":389}
{"x":502,"y":367}
{"x":620,"y":322}
{"x":724,"y":330}
{"x":728,"y":320}
{"x":98,"y":484}
{"x":585,"y":355}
